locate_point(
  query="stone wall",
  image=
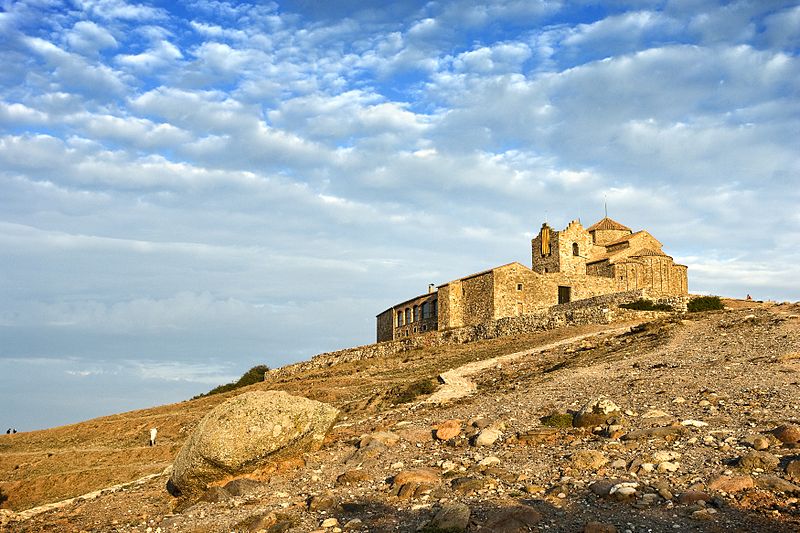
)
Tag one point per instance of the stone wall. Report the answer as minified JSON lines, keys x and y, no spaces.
{"x":600,"y":310}
{"x":385,"y":325}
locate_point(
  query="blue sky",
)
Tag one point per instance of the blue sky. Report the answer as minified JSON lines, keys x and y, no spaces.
{"x":188,"y":189}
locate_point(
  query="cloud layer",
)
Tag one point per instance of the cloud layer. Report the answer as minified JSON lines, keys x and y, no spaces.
{"x":203,"y":181}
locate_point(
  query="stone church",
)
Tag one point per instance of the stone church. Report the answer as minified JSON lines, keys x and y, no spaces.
{"x":567,"y":265}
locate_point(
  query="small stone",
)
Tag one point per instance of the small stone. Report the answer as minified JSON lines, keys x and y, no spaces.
{"x":487,"y":436}
{"x":776,"y":484}
{"x":587,"y":460}
{"x":599,"y":527}
{"x":731,"y":484}
{"x":596,"y":412}
{"x":694,"y":423}
{"x":386,"y":438}
{"x":329,"y":522}
{"x":665,"y":455}
{"x":693,"y":496}
{"x":679,"y":399}
{"x":467,"y":485}
{"x":704,"y":514}
{"x":619,"y":464}
{"x":668,"y":466}
{"x":451,"y":517}
{"x":655,"y":413}
{"x":793,"y":470}
{"x":355,"y":523}
{"x":215,"y":495}
{"x":352,"y":476}
{"x":753,"y":460}
{"x":490,"y":461}
{"x":448,"y":429}
{"x":517,"y":519}
{"x":787,"y":433}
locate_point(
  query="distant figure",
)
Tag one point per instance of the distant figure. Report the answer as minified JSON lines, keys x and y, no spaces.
{"x":8,"y":432}
{"x":153,"y":433}
{"x":749,"y":297}
{"x":14,"y":430}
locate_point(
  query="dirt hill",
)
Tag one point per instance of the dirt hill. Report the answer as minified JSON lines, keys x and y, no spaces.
{"x":698,"y":397}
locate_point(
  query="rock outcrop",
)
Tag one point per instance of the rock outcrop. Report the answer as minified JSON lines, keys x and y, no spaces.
{"x":246,"y":432}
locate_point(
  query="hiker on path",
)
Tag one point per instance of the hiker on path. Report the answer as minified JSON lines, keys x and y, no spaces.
{"x":153,"y":433}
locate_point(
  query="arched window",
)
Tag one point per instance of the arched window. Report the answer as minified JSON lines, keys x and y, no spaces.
{"x":399,"y":318}
{"x":426,"y":310}
{"x":575,"y":250}
{"x":416,"y":313}
{"x":408,"y":315}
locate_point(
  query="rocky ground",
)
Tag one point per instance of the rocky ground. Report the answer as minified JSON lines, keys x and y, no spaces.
{"x":686,"y":424}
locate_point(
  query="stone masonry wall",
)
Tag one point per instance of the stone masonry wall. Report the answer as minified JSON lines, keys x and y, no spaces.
{"x":574,"y":313}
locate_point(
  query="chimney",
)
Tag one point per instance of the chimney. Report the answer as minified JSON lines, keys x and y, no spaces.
{"x":431,"y":286}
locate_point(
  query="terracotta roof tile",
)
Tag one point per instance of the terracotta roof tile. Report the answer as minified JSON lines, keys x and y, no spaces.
{"x":607,"y":223}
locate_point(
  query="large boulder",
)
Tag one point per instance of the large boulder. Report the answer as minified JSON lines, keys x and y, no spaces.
{"x":245,"y":433}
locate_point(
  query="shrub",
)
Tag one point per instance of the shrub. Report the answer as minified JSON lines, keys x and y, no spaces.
{"x":410,"y":392}
{"x":646,"y":305}
{"x":704,"y":303}
{"x":3,"y":497}
{"x":557,"y":420}
{"x":254,"y":375}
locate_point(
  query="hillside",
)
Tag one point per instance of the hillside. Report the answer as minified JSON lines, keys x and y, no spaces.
{"x":737,"y":371}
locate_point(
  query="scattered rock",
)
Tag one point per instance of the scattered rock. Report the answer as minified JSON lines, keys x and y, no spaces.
{"x":215,"y":494}
{"x":693,"y":496}
{"x":787,"y":433}
{"x":329,"y":522}
{"x":534,"y":437}
{"x":514,"y":520}
{"x":352,"y":476}
{"x":487,"y":436}
{"x":763,"y":460}
{"x":241,"y":486}
{"x":652,"y":413}
{"x":776,"y":484}
{"x":448,"y":429}
{"x":793,"y":470}
{"x":599,"y":527}
{"x":731,"y":484}
{"x":387,"y":438}
{"x":354,"y":524}
{"x":757,"y":442}
{"x":322,"y":502}
{"x":451,"y":517}
{"x":246,"y":432}
{"x":413,"y":483}
{"x":596,"y":412}
{"x":654,"y":433}
{"x":587,"y":460}
{"x":468,"y":485}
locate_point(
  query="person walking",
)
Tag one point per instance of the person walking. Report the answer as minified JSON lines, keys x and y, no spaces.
{"x":153,"y":433}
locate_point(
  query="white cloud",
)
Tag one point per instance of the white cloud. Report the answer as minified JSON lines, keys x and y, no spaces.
{"x":88,"y":38}
{"x":119,"y":9}
{"x":161,"y":56}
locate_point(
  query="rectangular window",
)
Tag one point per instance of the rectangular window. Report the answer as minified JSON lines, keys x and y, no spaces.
{"x":564,"y":294}
{"x":519,"y":286}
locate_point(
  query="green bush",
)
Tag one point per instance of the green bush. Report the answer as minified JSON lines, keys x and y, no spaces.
{"x":704,"y":303}
{"x":557,"y":420}
{"x":410,"y":392}
{"x":646,"y":305}
{"x":254,"y":375}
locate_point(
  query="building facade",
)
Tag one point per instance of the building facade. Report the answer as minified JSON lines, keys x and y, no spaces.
{"x":567,"y":265}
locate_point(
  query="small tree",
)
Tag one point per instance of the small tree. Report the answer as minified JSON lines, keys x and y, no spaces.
{"x":704,"y":303}
{"x":254,"y":375}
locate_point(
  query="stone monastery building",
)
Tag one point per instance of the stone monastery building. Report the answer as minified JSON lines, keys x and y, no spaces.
{"x":568,"y":265}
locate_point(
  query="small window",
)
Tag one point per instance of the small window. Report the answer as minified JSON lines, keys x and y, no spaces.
{"x":416,"y":313}
{"x":399,"y":318}
{"x":424,"y":327}
{"x":519,"y":286}
{"x":575,"y":250}
{"x":408,"y":315}
{"x":415,"y":329}
{"x":426,"y":310}
{"x":545,"y":270}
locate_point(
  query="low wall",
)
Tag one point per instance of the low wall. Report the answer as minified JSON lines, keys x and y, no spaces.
{"x":598,"y":310}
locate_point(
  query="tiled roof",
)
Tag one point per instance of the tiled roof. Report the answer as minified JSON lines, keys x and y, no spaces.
{"x":647,"y":251}
{"x":607,"y":223}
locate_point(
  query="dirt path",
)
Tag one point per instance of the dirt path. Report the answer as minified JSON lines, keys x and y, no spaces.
{"x":455,"y":382}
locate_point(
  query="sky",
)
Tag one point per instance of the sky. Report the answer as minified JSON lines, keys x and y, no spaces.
{"x":191,"y":188}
